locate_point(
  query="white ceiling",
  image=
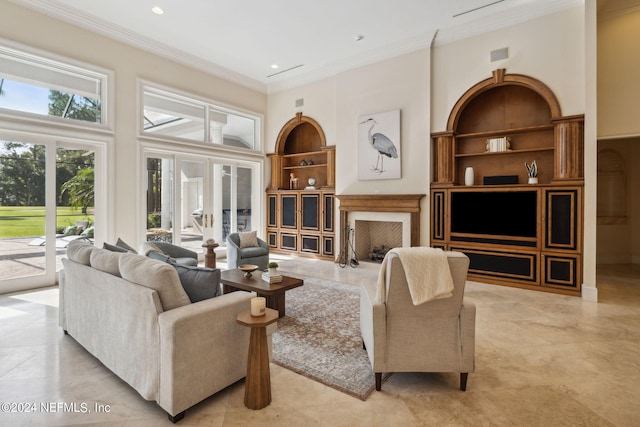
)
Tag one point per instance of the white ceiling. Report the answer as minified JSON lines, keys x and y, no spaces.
{"x":240,"y":40}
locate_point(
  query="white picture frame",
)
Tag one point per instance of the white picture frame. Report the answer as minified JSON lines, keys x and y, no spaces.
{"x":379,"y":146}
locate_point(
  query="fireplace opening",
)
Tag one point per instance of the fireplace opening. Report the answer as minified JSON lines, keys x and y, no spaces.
{"x":373,"y":239}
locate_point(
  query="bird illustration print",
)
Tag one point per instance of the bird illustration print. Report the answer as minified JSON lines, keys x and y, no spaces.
{"x":382,"y":144}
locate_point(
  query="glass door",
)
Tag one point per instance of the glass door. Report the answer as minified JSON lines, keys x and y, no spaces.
{"x":47,"y":200}
{"x":191,"y":199}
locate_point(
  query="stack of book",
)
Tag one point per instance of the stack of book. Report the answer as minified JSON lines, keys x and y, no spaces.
{"x":271,"y":278}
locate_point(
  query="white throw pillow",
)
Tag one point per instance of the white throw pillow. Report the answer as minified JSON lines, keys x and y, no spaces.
{"x":248,"y":239}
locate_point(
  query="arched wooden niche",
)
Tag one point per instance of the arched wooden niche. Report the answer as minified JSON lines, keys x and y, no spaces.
{"x":517,"y":107}
{"x":533,"y":101}
{"x":300,"y":134}
{"x":301,"y":152}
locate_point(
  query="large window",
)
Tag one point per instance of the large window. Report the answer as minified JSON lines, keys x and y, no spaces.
{"x":36,"y":85}
{"x":167,"y":114}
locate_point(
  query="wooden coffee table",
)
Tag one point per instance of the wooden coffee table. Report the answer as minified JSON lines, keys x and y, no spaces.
{"x":234,"y":280}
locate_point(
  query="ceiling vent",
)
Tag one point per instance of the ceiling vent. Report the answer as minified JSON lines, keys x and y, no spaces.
{"x":284,"y":71}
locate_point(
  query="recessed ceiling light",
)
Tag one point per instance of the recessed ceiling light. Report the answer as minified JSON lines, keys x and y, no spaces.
{"x":275,"y":66}
{"x":157,"y":10}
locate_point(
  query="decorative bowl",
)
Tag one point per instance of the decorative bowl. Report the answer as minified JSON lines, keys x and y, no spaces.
{"x":248,"y":269}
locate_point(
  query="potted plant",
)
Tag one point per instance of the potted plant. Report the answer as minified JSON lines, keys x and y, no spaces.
{"x":273,"y":268}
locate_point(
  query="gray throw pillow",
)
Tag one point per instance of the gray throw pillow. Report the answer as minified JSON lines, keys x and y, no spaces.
{"x":199,"y":283}
{"x":113,"y":248}
{"x":127,"y":248}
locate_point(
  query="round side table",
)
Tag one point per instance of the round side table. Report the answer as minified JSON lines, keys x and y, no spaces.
{"x":210,"y":255}
{"x":257,"y":389}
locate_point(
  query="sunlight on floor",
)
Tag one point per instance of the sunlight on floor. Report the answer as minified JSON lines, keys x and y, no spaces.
{"x":47,"y":296}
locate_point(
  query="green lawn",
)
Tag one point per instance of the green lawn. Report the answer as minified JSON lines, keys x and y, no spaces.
{"x":28,"y":221}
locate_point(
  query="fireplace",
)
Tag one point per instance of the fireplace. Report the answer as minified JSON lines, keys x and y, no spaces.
{"x":379,"y":223}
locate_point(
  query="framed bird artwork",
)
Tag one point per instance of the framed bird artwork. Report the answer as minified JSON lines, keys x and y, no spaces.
{"x":379,"y":146}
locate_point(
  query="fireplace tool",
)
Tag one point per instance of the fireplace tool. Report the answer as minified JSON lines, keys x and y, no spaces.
{"x":342,"y":261}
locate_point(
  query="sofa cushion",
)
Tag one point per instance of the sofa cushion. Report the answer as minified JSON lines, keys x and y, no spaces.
{"x":199,"y":283}
{"x":156,"y":275}
{"x":106,"y":260}
{"x":248,"y":239}
{"x":80,"y":251}
{"x":253,"y":252}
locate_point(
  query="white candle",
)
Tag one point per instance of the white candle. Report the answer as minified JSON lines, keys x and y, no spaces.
{"x":258,"y":306}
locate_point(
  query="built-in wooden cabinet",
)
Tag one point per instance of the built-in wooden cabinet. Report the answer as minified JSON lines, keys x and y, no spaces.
{"x":301,"y":222}
{"x":300,"y":200}
{"x":516,"y":234}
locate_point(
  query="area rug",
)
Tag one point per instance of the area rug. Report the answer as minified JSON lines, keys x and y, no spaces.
{"x":320,"y":336}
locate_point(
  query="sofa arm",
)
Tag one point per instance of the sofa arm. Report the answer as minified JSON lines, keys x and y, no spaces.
{"x":468,"y":327}
{"x":263,"y":244}
{"x":373,"y":325}
{"x":202,"y":350}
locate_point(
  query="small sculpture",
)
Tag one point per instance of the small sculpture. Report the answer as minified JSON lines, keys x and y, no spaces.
{"x":532,"y":171}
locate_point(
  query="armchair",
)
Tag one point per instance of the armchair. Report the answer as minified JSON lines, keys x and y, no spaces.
{"x":435,"y":336}
{"x":238,"y":255}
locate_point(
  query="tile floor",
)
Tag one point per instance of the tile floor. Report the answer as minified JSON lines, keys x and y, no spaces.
{"x":541,"y":360}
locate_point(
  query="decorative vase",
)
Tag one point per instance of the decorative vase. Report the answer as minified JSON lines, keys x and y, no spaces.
{"x":468,"y":176}
{"x":273,"y":271}
{"x":533,"y":180}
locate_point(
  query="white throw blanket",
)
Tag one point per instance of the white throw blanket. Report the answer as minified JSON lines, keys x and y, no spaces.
{"x":427,"y":271}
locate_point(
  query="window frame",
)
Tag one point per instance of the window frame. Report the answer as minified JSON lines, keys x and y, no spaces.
{"x":45,"y":58}
{"x":208,"y":105}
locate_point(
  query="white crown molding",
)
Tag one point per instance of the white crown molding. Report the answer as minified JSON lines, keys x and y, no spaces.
{"x":81,"y":19}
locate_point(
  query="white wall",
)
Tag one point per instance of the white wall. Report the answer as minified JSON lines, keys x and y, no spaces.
{"x":29,"y":28}
{"x":337,"y":103}
{"x":549,"y":48}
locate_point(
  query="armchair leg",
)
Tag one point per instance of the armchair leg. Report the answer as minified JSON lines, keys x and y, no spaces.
{"x":378,"y":381}
{"x":463,"y":381}
{"x":177,"y":417}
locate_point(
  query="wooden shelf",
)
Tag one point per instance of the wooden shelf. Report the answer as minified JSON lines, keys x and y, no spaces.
{"x":302,"y":155}
{"x":505,"y":132}
{"x":320,"y":165}
{"x":493,"y":153}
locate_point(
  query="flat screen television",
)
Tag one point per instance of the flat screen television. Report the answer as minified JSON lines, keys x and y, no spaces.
{"x":502,"y":213}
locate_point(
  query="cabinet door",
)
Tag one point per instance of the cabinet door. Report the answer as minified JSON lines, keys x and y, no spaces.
{"x":438,"y":225}
{"x":327,"y":213}
{"x":563,"y":222}
{"x":310,"y":211}
{"x":272,"y":210}
{"x":289,"y":211}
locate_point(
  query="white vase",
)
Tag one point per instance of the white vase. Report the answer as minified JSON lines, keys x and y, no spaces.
{"x":273,"y":271}
{"x":468,"y":176}
{"x":533,"y":180}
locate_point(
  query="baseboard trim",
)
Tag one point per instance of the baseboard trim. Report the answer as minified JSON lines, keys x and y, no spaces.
{"x":589,"y":293}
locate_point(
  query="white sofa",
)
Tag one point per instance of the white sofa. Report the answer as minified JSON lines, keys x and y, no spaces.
{"x":131,"y":313}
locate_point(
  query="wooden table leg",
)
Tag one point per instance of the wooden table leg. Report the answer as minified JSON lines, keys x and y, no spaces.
{"x":277,"y":302}
{"x":257,"y":391}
